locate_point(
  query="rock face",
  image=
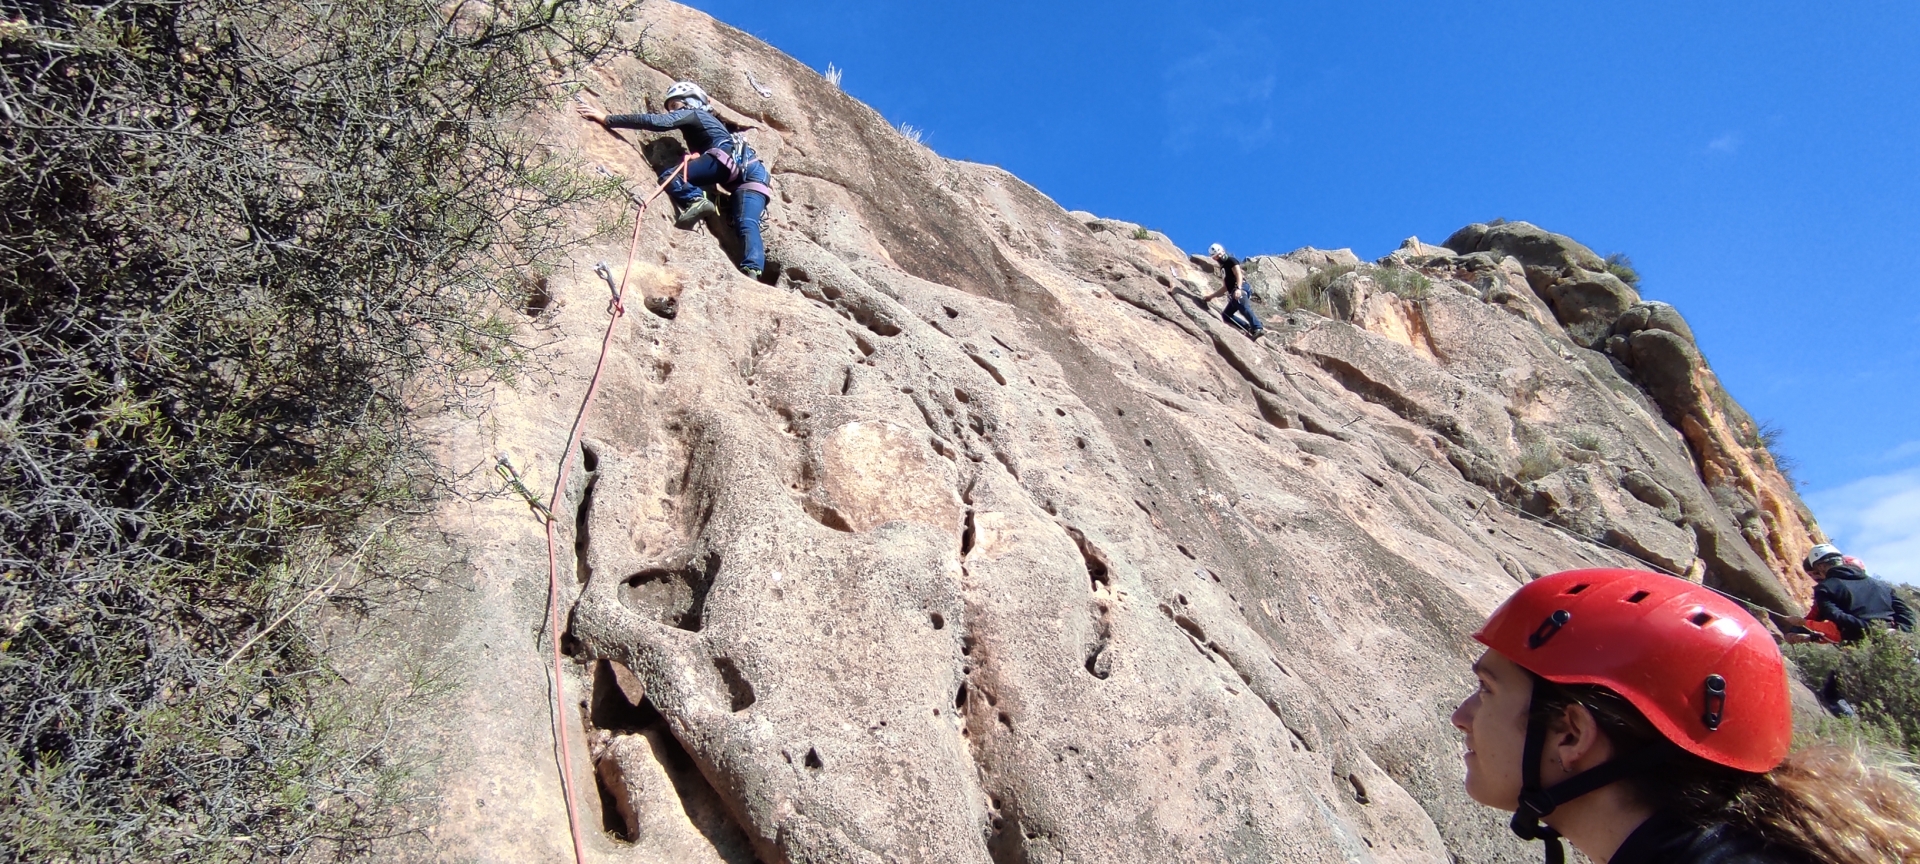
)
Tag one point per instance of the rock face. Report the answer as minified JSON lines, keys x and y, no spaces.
{"x":967,"y":535}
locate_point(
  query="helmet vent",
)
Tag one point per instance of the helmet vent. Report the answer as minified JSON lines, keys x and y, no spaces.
{"x":1638,"y":596}
{"x":1577,"y":588}
{"x":1700,"y":619}
{"x":1547,"y":628}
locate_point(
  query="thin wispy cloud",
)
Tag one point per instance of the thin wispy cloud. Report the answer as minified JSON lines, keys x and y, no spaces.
{"x":1222,"y":93}
{"x":1878,"y":520}
{"x":1902,"y":452}
{"x":1727,"y":143}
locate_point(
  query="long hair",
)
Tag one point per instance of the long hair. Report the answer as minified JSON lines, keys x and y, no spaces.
{"x":1827,"y":803}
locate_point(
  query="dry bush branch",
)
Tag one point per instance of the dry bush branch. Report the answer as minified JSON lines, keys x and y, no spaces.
{"x":241,"y":243}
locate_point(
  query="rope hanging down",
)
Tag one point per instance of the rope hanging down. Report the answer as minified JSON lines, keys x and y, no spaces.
{"x":616,"y":308}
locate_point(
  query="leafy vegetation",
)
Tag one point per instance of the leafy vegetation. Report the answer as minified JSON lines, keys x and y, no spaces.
{"x":1411,"y":284}
{"x":1622,"y":268}
{"x":1142,"y":233}
{"x":1538,"y":460}
{"x":1879,"y":676}
{"x":242,"y":243}
{"x":1310,"y":293}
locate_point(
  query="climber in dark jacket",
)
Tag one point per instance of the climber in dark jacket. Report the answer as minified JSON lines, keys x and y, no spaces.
{"x":1235,"y":288}
{"x":1848,"y":598}
{"x":724,"y":161}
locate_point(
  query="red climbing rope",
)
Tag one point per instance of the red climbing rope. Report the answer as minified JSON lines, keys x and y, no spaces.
{"x":616,"y":309}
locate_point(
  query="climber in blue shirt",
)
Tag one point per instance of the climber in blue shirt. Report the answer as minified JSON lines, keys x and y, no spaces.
{"x":725,"y":161}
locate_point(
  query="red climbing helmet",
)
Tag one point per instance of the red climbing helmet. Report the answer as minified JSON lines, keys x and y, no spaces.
{"x":1701,"y":669}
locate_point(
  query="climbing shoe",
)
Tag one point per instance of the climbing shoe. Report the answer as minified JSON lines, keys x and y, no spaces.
{"x":696,"y":212}
{"x":751,"y":273}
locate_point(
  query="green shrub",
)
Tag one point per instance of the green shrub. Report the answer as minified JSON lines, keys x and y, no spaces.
{"x":241,"y":242}
{"x":1411,"y":284}
{"x":1141,"y":233}
{"x":1310,"y":293}
{"x":1585,"y":439}
{"x":1622,"y":268}
{"x":1538,"y":460}
{"x":1880,"y":677}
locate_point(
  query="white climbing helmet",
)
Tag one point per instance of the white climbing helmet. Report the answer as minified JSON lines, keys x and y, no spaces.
{"x":1820,"y":553}
{"x":691,"y":92}
{"x":1217,"y":251}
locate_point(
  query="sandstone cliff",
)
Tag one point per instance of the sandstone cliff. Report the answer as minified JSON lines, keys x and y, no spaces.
{"x":966,"y":535}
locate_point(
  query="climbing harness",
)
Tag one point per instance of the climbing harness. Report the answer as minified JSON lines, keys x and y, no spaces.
{"x":615,"y":309}
{"x":737,"y":162}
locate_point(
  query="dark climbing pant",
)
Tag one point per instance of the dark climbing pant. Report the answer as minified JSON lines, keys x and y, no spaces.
{"x":1239,"y":305}
{"x":748,"y":206}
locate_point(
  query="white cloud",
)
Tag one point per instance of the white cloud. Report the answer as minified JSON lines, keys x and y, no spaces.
{"x":1727,"y":143}
{"x":1911,"y":448}
{"x":1878,"y":520}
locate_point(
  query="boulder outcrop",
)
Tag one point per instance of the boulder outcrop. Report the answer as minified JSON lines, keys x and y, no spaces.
{"x":968,"y":535}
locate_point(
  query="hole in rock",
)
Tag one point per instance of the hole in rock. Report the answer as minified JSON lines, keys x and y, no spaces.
{"x":1060,"y":411}
{"x":1183,"y":551}
{"x":612,"y":820}
{"x":1359,"y":791}
{"x":951,"y":312}
{"x":1098,"y":664}
{"x":827,"y":516}
{"x":812,"y":761}
{"x":939,"y":620}
{"x":966,"y":535}
{"x":846,"y":382}
{"x":1080,"y":442}
{"x":962,"y":396}
{"x":672,"y":595}
{"x":539,"y":297}
{"x":739,"y":691}
{"x":960,"y":698}
{"x":1098,"y":572}
{"x":866,"y":349}
{"x":796,"y":274}
{"x":990,"y":370}
{"x":1147,"y":441}
{"x":612,"y":706}
{"x":966,"y":647}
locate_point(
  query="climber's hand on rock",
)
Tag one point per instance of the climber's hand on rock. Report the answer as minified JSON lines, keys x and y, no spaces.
{"x":590,"y":112}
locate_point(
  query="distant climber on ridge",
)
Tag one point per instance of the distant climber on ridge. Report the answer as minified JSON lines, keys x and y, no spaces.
{"x":1235,"y":288}
{"x":725,"y":161}
{"x":1847,"y":598}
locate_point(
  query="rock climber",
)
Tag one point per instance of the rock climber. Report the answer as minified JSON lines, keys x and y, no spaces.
{"x":1235,"y":288}
{"x":1845,"y":597}
{"x":725,"y":161}
{"x":1645,"y":719}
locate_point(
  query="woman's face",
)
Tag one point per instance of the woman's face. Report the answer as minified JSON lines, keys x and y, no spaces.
{"x":1494,"y":721}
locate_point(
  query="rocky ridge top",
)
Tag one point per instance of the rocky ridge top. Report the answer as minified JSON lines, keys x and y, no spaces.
{"x":968,"y":535}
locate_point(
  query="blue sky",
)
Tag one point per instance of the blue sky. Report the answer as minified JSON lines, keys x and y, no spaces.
{"x":1759,"y":161}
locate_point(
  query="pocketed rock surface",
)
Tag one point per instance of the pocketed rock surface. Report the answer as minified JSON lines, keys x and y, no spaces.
{"x":968,"y":535}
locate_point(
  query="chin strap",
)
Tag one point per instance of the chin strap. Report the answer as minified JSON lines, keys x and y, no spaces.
{"x":1536,"y":802}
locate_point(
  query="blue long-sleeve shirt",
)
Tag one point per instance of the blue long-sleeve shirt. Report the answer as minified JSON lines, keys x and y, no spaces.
{"x":702,"y":130}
